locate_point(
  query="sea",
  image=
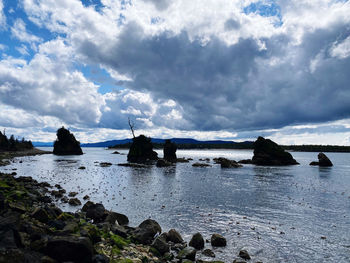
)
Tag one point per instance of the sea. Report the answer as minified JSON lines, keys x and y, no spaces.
{"x":278,"y":214}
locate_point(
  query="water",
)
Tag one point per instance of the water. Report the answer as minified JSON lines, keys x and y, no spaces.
{"x":278,"y":214}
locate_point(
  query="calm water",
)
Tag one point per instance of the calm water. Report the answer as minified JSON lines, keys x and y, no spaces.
{"x":278,"y":214}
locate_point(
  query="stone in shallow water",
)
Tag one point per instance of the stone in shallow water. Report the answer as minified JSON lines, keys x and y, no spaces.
{"x":66,"y":144}
{"x":218,"y":240}
{"x":197,"y":241}
{"x":267,"y":152}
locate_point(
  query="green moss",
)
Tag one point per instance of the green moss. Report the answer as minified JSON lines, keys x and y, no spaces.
{"x":65,"y":216}
{"x":145,"y":260}
{"x":116,"y":251}
{"x":3,"y":184}
{"x":124,"y":260}
{"x":154,"y":251}
{"x":119,"y":241}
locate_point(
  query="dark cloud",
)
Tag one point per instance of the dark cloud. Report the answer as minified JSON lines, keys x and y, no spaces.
{"x":232,"y":24}
{"x":160,"y":4}
{"x":237,"y":86}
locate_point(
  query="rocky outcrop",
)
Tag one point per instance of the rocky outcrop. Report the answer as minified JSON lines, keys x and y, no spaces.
{"x":66,"y":144}
{"x":226,"y":163}
{"x":323,"y":161}
{"x":163,"y":163}
{"x":267,"y":152}
{"x":146,"y":231}
{"x":141,"y":150}
{"x":170,"y":151}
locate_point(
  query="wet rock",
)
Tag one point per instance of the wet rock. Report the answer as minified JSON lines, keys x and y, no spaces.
{"x":141,"y":150}
{"x":209,"y":253}
{"x":66,"y":144}
{"x":86,"y":197}
{"x":174,"y":236}
{"x":56,"y":194}
{"x":169,"y":151}
{"x":120,"y":231}
{"x":163,"y":163}
{"x":201,"y":165}
{"x":70,"y":248}
{"x":323,"y":161}
{"x":218,"y":240}
{"x":238,"y":260}
{"x":105,"y":164}
{"x":187,"y":253}
{"x":197,"y":241}
{"x":57,"y":224}
{"x":267,"y":152}
{"x":182,"y":160}
{"x":146,"y":231}
{"x":74,"y":202}
{"x":72,"y":194}
{"x":3,"y":203}
{"x":161,"y":245}
{"x":40,"y":214}
{"x":244,"y":254}
{"x":46,"y":259}
{"x":96,"y":212}
{"x":121,"y":219}
{"x":246,"y":161}
{"x":100,"y":259}
{"x":115,"y":152}
{"x":226,"y":163}
{"x":82,"y":168}
{"x":64,"y":199}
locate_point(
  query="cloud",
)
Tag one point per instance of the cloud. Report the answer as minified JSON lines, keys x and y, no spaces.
{"x":2,"y":16}
{"x":48,"y":86}
{"x":190,"y":65}
{"x":19,"y":31}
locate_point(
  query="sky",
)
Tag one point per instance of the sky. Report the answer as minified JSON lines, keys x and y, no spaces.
{"x":205,"y":69}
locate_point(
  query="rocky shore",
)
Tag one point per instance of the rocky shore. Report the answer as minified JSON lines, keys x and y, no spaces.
{"x":6,"y":156}
{"x":34,"y":229}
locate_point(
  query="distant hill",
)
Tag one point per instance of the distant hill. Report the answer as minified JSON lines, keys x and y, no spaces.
{"x":186,"y":143}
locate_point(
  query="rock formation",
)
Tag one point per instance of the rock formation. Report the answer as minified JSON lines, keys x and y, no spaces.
{"x":141,"y":150}
{"x":267,"y":152}
{"x":66,"y":144}
{"x":323,"y":161}
{"x":170,"y":151}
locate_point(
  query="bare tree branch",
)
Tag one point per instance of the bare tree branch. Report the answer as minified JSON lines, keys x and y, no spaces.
{"x":131,"y":125}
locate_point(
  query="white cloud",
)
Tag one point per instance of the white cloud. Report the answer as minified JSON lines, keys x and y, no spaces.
{"x":2,"y":16}
{"x":341,"y":50}
{"x":19,"y":31}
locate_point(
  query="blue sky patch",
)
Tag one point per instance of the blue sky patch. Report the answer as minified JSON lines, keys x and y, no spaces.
{"x":266,"y":9}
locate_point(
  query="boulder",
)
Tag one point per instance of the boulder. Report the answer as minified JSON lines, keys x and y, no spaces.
{"x":169,"y":151}
{"x":187,"y":253}
{"x":226,"y":163}
{"x":146,"y":231}
{"x":161,"y":245}
{"x":141,"y":150}
{"x":70,"y":248}
{"x":209,"y":253}
{"x":40,"y":214}
{"x":244,"y":254}
{"x":218,"y":240}
{"x":96,"y":212}
{"x":74,"y":202}
{"x":100,"y":258}
{"x":201,"y":165}
{"x":66,"y":144}
{"x":323,"y":161}
{"x":246,"y":161}
{"x":163,"y":163}
{"x":121,"y":219}
{"x":267,"y":152}
{"x":174,"y":236}
{"x":197,"y":241}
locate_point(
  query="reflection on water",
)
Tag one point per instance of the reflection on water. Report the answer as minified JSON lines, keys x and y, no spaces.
{"x":277,"y":213}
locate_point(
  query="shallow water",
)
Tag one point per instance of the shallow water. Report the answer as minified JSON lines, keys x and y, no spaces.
{"x":278,"y":214}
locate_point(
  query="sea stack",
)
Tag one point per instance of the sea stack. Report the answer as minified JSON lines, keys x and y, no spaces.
{"x":170,"y":151}
{"x":323,"y":161}
{"x":267,"y":152}
{"x":66,"y":144}
{"x":141,"y":150}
